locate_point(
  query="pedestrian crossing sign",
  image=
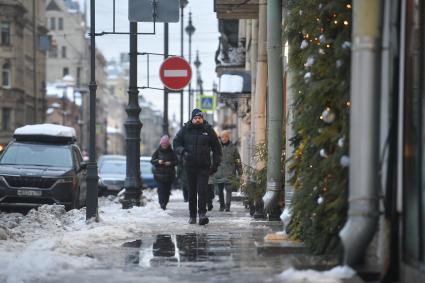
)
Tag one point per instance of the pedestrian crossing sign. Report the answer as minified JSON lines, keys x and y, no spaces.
{"x":206,"y":103}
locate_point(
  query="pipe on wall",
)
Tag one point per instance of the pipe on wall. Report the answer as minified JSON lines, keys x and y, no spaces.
{"x":364,"y":132}
{"x":274,"y":104}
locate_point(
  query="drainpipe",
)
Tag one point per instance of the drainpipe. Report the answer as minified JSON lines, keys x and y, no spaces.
{"x":364,"y":135}
{"x":261,"y":86}
{"x":275,"y":104}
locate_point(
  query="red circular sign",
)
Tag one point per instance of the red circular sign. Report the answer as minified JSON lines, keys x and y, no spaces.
{"x":175,"y":73}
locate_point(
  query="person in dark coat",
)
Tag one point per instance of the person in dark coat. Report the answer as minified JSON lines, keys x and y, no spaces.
{"x":230,"y":165}
{"x":182,"y":178}
{"x":164,"y":159}
{"x":195,"y":141}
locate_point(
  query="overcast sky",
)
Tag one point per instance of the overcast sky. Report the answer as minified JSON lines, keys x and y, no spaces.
{"x":205,"y":39}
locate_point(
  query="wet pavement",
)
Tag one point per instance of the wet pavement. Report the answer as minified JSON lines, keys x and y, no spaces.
{"x":222,"y":251}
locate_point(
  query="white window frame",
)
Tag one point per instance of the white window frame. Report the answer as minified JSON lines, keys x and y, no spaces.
{"x":8,"y":26}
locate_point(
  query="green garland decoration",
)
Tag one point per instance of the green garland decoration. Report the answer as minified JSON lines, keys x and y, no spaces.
{"x":319,"y":36}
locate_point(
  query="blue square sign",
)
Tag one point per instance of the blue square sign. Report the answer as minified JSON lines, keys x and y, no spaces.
{"x":206,"y":103}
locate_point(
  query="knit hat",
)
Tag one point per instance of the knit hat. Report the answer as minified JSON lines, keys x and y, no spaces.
{"x":197,"y":112}
{"x":165,"y":140}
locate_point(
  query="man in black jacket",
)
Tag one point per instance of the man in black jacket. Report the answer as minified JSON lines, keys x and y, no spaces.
{"x":194,"y":142}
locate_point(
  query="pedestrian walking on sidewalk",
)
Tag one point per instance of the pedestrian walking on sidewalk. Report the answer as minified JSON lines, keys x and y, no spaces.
{"x":195,"y":141}
{"x":230,"y":166}
{"x":164,"y":159}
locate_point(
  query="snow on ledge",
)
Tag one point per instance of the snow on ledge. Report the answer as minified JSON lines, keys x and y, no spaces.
{"x":306,"y":276}
{"x":111,"y":130}
{"x":46,"y":130}
{"x":231,"y":84}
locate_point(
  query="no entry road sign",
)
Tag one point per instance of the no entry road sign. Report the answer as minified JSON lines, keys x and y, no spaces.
{"x":175,"y":73}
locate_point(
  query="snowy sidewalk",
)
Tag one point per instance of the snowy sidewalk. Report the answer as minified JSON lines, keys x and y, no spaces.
{"x":142,"y":244}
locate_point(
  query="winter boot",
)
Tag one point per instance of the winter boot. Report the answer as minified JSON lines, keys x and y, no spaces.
{"x":203,"y":219}
{"x":192,"y":220}
{"x":210,"y":206}
{"x":227,"y":207}
{"x":221,"y":207}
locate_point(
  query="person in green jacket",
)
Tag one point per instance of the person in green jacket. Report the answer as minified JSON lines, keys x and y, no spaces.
{"x":229,"y":167}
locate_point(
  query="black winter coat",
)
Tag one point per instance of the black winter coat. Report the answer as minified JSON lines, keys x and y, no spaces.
{"x":195,"y":142}
{"x":164,"y":173}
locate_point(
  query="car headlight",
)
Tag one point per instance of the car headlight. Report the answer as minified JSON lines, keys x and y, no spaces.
{"x":66,"y":179}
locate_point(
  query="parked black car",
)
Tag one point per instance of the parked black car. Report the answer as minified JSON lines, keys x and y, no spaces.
{"x":42,"y":165}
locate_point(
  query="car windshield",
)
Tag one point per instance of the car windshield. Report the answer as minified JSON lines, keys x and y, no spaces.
{"x":37,"y":154}
{"x":145,"y":167}
{"x":113,"y":167}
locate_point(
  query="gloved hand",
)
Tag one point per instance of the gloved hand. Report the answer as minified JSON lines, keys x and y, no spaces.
{"x":187,"y":155}
{"x":213,"y":169}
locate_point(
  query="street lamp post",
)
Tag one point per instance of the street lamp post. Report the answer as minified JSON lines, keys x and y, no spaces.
{"x":190,"y":29}
{"x":199,"y":85}
{"x":92,"y":177}
{"x":133,"y":126}
{"x":183,"y":4}
{"x":199,"y":81}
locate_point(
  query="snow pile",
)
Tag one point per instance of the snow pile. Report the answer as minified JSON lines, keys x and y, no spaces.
{"x":331,"y":276}
{"x":39,"y":258}
{"x":51,"y":240}
{"x":48,"y":220}
{"x":231,"y":83}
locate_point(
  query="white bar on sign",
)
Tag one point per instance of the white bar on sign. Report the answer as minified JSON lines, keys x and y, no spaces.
{"x":175,"y":73}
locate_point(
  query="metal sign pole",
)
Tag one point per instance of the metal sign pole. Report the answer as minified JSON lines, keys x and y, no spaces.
{"x":165,"y":121}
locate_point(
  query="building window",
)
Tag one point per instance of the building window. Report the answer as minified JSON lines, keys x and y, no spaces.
{"x":60,"y":23}
{"x":52,"y":23}
{"x":63,"y":51}
{"x":5,"y":75}
{"x":53,"y":51}
{"x":5,"y":33}
{"x":65,"y":71}
{"x":5,"y":121}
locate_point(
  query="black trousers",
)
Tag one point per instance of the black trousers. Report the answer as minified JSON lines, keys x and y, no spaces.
{"x":210,"y":194}
{"x":164,"y":190}
{"x":184,"y":189}
{"x":221,"y":188}
{"x":197,"y":179}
